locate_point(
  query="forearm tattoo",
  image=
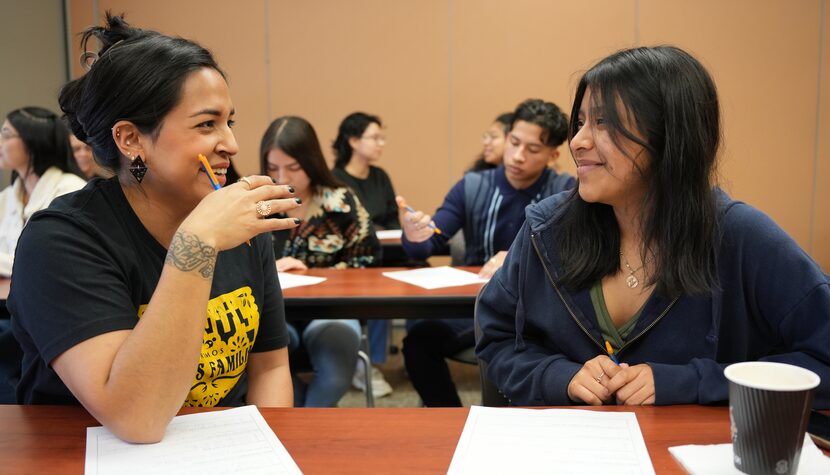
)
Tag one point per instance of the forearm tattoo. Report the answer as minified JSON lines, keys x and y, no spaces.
{"x":188,"y":253}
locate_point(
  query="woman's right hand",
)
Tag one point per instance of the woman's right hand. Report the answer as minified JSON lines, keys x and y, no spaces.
{"x":290,"y":263}
{"x":588,"y":385}
{"x":415,"y":224}
{"x":228,"y":217}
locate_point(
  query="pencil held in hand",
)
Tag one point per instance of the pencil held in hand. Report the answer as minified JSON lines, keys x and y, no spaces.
{"x":209,"y":171}
{"x":431,"y":225}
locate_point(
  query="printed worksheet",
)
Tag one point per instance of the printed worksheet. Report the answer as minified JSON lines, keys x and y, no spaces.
{"x":231,"y":441}
{"x":512,"y":440}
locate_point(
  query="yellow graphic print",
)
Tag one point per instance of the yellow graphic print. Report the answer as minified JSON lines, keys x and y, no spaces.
{"x":230,"y":331}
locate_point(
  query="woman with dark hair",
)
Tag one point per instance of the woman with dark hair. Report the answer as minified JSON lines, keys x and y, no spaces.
{"x":86,"y":161}
{"x":359,"y":144}
{"x":151,"y":290}
{"x":647,"y":259}
{"x":34,"y":146}
{"x":335,"y":232}
{"x":493,"y":141}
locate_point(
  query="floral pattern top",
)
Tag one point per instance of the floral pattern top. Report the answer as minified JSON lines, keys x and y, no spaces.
{"x":336,"y":232}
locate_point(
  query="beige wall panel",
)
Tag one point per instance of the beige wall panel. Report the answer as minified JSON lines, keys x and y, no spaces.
{"x":763,"y":56}
{"x":504,"y":53}
{"x":82,"y":15}
{"x":235,"y":33}
{"x":821,"y":215}
{"x":328,"y":59}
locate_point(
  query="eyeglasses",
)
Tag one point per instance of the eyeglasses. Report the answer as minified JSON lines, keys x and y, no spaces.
{"x":7,"y":134}
{"x":488,"y":137}
{"x":379,"y":139}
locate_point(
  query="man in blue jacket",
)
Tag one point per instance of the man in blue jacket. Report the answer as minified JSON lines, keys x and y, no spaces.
{"x":489,"y":207}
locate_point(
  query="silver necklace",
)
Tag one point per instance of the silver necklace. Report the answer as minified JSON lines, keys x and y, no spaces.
{"x":632,"y":280}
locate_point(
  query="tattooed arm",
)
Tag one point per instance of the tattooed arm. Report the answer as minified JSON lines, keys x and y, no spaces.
{"x":134,"y":381}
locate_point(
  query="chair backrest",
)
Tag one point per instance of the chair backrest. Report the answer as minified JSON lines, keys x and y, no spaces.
{"x":457,"y":248}
{"x":490,"y":394}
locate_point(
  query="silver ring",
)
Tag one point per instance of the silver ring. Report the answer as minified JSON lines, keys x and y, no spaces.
{"x":263,"y":208}
{"x":246,"y":180}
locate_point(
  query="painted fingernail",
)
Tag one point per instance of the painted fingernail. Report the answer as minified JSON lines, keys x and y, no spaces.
{"x":297,"y":220}
{"x":298,"y":200}
{"x":290,"y":189}
{"x":273,"y":180}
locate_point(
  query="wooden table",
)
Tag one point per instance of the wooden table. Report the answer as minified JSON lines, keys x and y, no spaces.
{"x":50,"y":439}
{"x":366,"y":293}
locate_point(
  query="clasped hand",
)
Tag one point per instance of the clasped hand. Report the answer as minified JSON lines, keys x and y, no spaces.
{"x":600,"y":379}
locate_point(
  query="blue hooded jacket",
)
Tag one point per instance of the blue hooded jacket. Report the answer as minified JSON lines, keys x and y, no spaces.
{"x":773,"y":304}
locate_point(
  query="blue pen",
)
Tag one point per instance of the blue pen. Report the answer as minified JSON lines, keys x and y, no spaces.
{"x":611,"y":354}
{"x":431,"y":225}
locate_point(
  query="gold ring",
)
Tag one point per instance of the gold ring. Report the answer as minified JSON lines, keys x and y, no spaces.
{"x":599,"y":378}
{"x":263,"y":208}
{"x":246,"y":180}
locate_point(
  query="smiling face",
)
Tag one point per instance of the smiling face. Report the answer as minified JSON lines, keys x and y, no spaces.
{"x":607,"y":173}
{"x":493,"y":141}
{"x":199,"y":124}
{"x":13,"y":153}
{"x":525,"y":154}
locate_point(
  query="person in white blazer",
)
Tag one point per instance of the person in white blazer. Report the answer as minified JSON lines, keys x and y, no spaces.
{"x":35,"y":147}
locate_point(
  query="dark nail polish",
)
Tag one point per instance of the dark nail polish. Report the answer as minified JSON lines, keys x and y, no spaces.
{"x":298,"y":200}
{"x":297,"y":220}
{"x":274,"y":181}
{"x":290,"y":189}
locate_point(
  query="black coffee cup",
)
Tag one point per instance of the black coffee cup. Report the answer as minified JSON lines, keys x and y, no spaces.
{"x":769,"y":406}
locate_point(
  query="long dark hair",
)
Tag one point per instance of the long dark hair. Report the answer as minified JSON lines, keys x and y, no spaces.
{"x":46,"y":140}
{"x":674,"y":105}
{"x":296,"y":137}
{"x":138,"y":77}
{"x":352,"y":126}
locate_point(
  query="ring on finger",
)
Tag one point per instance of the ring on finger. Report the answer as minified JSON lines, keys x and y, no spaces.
{"x":248,"y":182}
{"x":263,"y":208}
{"x":599,"y":378}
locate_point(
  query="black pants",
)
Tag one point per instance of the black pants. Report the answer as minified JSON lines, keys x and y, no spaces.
{"x":425,"y":347}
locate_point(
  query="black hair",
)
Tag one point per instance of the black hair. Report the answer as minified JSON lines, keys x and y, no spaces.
{"x":480,"y":164}
{"x":352,"y":126}
{"x":138,"y":77}
{"x":674,"y":105}
{"x":296,"y":138}
{"x":45,"y":138}
{"x":547,"y":115}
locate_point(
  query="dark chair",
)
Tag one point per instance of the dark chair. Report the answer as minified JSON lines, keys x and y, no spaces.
{"x":490,"y":394}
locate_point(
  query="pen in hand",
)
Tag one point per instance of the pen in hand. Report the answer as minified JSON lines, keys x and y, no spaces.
{"x":431,"y":225}
{"x":611,"y":354}
{"x":209,"y":171}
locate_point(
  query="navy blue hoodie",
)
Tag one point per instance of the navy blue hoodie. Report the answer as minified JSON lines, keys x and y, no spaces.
{"x":773,"y":305}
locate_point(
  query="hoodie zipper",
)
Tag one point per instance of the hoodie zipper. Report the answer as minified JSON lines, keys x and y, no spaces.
{"x":573,"y":316}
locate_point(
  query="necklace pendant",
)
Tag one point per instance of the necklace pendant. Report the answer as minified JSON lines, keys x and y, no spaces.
{"x":632,"y":281}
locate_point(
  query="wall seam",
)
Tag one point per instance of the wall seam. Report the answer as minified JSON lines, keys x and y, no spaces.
{"x":449,"y":90}
{"x":67,"y":30}
{"x":267,"y":38}
{"x":637,"y":22}
{"x":811,"y":239}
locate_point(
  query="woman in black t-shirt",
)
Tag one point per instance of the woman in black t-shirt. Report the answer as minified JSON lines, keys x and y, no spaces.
{"x":151,"y":290}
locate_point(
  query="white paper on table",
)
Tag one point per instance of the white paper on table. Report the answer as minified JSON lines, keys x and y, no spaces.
{"x":231,"y":441}
{"x":389,"y":234}
{"x":436,"y":277}
{"x":717,"y":459}
{"x":288,"y":280}
{"x":511,"y":440}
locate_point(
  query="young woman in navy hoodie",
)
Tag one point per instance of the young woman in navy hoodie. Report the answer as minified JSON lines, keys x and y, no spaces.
{"x":644,"y":282}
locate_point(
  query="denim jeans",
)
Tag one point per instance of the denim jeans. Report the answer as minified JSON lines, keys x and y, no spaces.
{"x":332,"y":347}
{"x":378,"y":340}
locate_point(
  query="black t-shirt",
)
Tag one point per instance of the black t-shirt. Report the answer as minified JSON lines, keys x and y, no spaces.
{"x":87,"y":266}
{"x":376,"y":194}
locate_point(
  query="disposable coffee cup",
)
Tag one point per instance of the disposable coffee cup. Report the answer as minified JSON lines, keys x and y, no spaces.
{"x":769,"y":405}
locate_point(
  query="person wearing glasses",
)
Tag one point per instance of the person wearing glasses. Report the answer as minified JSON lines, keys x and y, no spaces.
{"x":358,"y":147}
{"x":489,"y":207}
{"x":493,"y":141}
{"x":34,"y":146}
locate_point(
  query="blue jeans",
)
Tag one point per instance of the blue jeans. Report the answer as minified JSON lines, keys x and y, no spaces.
{"x":332,"y":347}
{"x":378,"y":340}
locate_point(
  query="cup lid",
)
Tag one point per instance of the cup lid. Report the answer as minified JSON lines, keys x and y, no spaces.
{"x":771,"y":376}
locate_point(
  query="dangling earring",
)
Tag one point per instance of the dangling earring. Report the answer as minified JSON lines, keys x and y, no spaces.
{"x":137,"y":167}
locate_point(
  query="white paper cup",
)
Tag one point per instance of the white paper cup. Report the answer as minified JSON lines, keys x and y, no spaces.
{"x":769,"y":406}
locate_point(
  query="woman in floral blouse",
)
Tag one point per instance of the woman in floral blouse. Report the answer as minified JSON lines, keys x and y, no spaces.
{"x":336,"y":231}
